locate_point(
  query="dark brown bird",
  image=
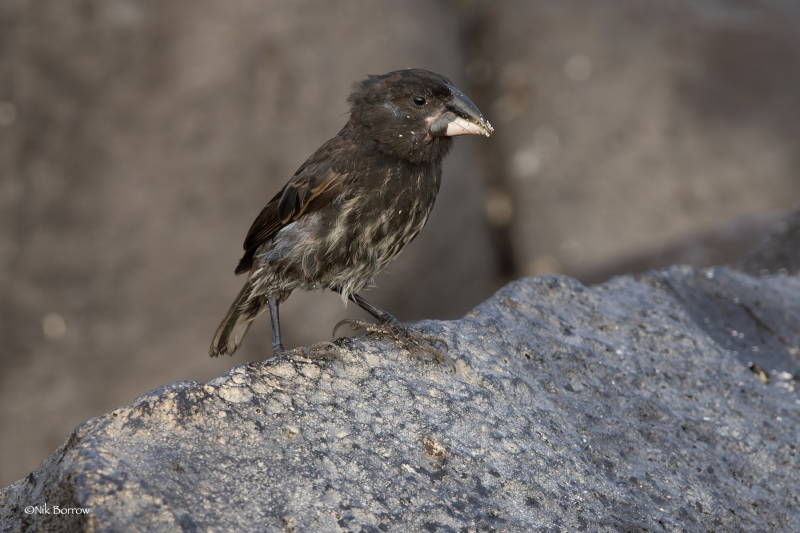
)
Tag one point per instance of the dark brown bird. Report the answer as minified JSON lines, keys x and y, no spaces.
{"x":354,"y":205}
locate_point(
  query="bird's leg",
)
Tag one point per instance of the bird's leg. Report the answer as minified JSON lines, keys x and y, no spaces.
{"x":315,"y":351}
{"x":388,"y":325}
{"x":277,"y":345}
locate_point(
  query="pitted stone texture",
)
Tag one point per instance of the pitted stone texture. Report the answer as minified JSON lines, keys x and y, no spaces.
{"x":610,"y":408}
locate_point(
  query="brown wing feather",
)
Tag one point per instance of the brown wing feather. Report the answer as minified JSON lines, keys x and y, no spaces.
{"x":309,"y":190}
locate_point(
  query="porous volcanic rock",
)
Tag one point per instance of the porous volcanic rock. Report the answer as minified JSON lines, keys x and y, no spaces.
{"x":626,"y":406}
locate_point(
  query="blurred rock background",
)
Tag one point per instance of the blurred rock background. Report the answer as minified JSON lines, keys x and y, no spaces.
{"x":139,"y":139}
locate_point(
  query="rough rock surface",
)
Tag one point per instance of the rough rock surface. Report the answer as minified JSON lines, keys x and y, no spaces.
{"x":620,"y":407}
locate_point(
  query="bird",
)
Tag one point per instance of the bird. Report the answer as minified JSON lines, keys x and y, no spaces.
{"x":352,"y":207}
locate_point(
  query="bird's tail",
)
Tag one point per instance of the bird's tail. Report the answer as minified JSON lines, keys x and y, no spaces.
{"x":231,"y":331}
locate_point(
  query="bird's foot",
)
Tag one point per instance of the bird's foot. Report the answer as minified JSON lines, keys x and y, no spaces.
{"x":412,"y":340}
{"x":320,"y":350}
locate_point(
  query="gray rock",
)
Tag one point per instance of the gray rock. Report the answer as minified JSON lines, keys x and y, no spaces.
{"x":619,"y":407}
{"x":778,"y":252}
{"x":722,"y":246}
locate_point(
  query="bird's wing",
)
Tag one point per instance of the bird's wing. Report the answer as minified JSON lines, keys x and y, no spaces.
{"x":305,"y":193}
{"x":314,"y":186}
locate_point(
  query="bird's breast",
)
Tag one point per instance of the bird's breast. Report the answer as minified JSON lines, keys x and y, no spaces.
{"x":406,"y":203}
{"x":385,"y":214}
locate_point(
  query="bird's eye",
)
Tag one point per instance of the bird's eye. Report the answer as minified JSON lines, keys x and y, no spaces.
{"x":419,"y":100}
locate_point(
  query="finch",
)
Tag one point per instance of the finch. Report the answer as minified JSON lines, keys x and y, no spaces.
{"x":354,"y":205}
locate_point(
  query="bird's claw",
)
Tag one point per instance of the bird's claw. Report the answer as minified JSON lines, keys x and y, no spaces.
{"x":319,"y":350}
{"x":413,"y":341}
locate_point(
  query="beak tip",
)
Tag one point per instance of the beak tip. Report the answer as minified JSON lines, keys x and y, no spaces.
{"x":466,"y":111}
{"x":486,"y":128}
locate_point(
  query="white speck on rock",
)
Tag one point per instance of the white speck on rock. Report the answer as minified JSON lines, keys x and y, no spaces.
{"x":235,"y":394}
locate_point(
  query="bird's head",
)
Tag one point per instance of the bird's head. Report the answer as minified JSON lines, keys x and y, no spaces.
{"x":414,"y":113}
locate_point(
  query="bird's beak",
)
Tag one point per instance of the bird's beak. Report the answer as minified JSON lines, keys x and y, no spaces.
{"x":461,"y":117}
